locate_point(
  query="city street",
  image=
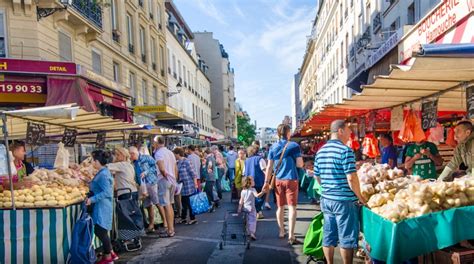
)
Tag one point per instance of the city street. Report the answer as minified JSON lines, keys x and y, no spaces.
{"x":200,"y":243}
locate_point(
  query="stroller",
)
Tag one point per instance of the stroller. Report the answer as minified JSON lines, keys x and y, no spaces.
{"x":129,"y":223}
{"x":234,"y":230}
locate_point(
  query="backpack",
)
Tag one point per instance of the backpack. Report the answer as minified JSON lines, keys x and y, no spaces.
{"x":82,"y":248}
{"x":313,"y":241}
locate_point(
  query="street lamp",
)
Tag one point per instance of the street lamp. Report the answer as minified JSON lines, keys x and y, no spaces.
{"x":179,"y":87}
{"x":217,"y":116}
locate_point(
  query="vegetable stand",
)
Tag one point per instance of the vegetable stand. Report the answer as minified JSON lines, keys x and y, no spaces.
{"x":396,"y":242}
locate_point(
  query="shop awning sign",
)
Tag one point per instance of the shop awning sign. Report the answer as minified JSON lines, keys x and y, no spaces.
{"x":159,"y":109}
{"x":33,"y":66}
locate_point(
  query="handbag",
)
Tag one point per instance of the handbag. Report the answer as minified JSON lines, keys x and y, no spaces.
{"x":313,"y":241}
{"x":274,"y":174}
{"x":142,"y":191}
{"x":199,"y":203}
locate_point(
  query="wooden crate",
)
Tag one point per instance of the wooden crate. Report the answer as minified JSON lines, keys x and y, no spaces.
{"x":454,"y":255}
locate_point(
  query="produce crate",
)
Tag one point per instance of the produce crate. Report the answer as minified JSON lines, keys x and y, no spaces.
{"x":395,"y":242}
{"x":455,"y":255}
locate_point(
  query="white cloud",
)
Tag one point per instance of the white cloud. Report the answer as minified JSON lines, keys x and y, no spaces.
{"x":237,"y":10}
{"x":208,"y":8}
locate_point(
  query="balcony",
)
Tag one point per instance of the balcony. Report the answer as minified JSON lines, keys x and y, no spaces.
{"x":163,"y":73}
{"x":89,"y":9}
{"x":131,"y":48}
{"x":153,"y":66}
{"x":116,"y":36}
{"x":377,"y":23}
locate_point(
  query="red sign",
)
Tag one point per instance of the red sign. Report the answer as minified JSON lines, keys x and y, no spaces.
{"x":33,"y":66}
{"x":23,"y":87}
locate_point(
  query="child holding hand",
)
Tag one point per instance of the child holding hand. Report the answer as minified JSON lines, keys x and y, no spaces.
{"x":247,"y":201}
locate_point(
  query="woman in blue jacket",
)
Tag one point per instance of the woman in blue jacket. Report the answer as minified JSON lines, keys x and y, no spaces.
{"x":101,"y":188}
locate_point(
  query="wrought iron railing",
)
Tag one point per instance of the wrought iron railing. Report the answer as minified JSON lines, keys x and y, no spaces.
{"x":89,"y":9}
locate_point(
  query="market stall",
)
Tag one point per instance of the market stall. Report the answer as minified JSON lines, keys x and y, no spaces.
{"x":40,"y":210}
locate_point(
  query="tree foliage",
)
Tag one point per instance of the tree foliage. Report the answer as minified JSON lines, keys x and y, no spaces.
{"x":245,"y":130}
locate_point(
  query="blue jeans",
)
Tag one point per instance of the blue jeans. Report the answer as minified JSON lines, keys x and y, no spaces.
{"x":341,"y":223}
{"x":231,"y":174}
{"x":259,"y":201}
{"x":220,"y":175}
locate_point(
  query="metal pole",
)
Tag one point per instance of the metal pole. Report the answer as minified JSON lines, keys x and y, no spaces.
{"x":5,"y":136}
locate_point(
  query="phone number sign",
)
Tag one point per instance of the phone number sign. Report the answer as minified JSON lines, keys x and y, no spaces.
{"x":22,"y":88}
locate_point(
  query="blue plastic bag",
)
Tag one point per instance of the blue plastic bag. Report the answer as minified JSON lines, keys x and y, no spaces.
{"x":225,"y":185}
{"x":82,"y":248}
{"x":199,"y":203}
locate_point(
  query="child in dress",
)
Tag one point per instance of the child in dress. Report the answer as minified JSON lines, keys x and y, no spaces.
{"x":247,"y":201}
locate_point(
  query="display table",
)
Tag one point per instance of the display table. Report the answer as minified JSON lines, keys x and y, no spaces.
{"x":37,"y":235}
{"x":396,"y":242}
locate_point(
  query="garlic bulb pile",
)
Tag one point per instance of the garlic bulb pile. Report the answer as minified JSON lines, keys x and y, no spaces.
{"x":379,"y":178}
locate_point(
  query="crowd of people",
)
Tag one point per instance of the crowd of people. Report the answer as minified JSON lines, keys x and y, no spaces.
{"x":166,"y":180}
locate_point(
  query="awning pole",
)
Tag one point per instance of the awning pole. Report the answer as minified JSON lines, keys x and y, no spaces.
{"x":10,"y":176}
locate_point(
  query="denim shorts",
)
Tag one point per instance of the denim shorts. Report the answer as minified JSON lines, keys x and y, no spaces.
{"x":341,"y":223}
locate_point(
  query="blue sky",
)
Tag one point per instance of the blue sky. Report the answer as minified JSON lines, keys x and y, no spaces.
{"x":265,"y":39}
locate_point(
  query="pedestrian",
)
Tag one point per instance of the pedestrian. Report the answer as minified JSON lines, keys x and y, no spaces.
{"x":100,"y":199}
{"x":247,"y":202}
{"x":422,"y":159}
{"x":239,"y":171}
{"x":187,"y":176}
{"x":335,"y":167}
{"x":19,"y":152}
{"x":283,"y":160}
{"x":231,"y":158}
{"x":208,"y":175}
{"x":124,"y":173}
{"x":389,"y":151}
{"x":167,"y":177}
{"x":256,"y":144}
{"x":255,"y":166}
{"x":221,"y":168}
{"x":145,"y":171}
{"x":195,"y":160}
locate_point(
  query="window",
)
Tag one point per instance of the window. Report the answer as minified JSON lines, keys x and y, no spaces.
{"x":150,"y":8}
{"x":142,"y":43}
{"x":155,"y":95}
{"x":116,"y":69}
{"x":174,"y":66}
{"x":179,"y":70}
{"x":158,"y":16}
{"x":96,"y":61}
{"x":184,"y":75}
{"x":163,"y":97}
{"x":3,"y":35}
{"x":65,"y":47}
{"x":189,"y":79}
{"x":153,"y":54}
{"x":367,"y":14}
{"x":131,"y":83}
{"x":113,"y":14}
{"x":361,"y":22}
{"x":130,"y":33}
{"x":395,"y":25}
{"x":144,"y":92}
{"x":162,"y":66}
{"x":411,"y":14}
{"x":140,"y":3}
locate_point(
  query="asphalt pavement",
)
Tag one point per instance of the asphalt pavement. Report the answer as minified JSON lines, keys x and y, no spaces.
{"x":199,"y":243}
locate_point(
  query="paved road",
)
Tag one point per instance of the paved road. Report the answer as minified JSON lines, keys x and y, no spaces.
{"x":200,"y":243}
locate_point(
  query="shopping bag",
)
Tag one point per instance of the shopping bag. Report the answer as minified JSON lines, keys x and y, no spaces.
{"x":82,"y":248}
{"x":199,"y":203}
{"x":62,"y":157}
{"x":225,"y":185}
{"x":313,"y":241}
{"x":142,"y":192}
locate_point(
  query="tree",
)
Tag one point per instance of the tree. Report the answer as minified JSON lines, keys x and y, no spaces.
{"x":245,"y":130}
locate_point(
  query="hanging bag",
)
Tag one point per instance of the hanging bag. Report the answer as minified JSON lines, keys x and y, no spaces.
{"x":199,"y":203}
{"x":274,"y":174}
{"x":143,"y":192}
{"x":82,"y":248}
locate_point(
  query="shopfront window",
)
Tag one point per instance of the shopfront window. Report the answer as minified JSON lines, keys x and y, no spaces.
{"x":65,"y":47}
{"x":3,"y":35}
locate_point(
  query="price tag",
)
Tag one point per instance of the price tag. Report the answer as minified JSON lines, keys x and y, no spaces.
{"x":470,"y":102}
{"x":429,"y":114}
{"x":35,"y":134}
{"x":69,"y":137}
{"x":100,"y":140}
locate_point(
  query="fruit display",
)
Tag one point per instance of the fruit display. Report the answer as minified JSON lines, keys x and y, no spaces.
{"x":40,"y":196}
{"x":397,"y":198}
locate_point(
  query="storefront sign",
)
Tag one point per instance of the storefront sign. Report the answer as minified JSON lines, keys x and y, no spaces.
{"x":32,"y":66}
{"x":470,"y":102}
{"x":35,"y":134}
{"x":25,"y":88}
{"x":387,"y":46}
{"x":429,"y":114}
{"x":444,"y":17}
{"x":69,"y":137}
{"x":157,"y":109}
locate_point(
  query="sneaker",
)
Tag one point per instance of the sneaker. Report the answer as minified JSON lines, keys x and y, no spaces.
{"x":183,"y":221}
{"x":260,"y":215}
{"x":267,"y":205}
{"x":192,"y":222}
{"x":114,"y":256}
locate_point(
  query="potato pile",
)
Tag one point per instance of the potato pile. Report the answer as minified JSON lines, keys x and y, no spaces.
{"x":420,"y":198}
{"x":64,"y":177}
{"x":43,"y":196}
{"x":379,"y":178}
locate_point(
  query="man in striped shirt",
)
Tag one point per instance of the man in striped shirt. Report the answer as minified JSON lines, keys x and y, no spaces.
{"x":335,"y":166}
